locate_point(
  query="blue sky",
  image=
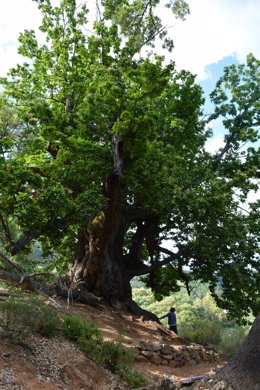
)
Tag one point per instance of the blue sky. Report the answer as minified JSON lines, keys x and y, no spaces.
{"x":215,"y":34}
{"x":214,"y":72}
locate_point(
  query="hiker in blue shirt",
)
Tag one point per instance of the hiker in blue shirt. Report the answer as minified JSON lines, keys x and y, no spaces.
{"x":171,"y":320}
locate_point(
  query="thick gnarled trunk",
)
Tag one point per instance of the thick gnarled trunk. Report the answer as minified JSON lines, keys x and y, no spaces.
{"x":98,"y":265}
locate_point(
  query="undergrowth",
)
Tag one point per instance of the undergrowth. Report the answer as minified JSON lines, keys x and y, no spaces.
{"x":22,"y":316}
{"x":111,"y":354}
{"x":232,"y":340}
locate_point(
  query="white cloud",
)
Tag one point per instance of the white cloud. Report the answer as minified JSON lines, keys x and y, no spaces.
{"x":216,"y":29}
{"x":253,"y":196}
{"x":214,"y":144}
{"x":15,"y":17}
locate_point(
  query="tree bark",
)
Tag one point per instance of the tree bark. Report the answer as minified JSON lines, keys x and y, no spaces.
{"x":98,"y":265}
{"x":243,"y":371}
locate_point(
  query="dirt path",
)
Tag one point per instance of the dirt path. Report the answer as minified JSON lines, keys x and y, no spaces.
{"x":51,"y":364}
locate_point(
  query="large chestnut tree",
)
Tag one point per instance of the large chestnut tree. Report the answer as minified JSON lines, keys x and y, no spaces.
{"x":103,"y":160}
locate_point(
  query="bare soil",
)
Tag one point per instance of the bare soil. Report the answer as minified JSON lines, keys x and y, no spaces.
{"x":56,"y":363}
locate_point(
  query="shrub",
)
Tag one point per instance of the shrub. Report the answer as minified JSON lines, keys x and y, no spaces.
{"x":201,"y":331}
{"x":76,"y":329}
{"x":93,"y":347}
{"x":116,"y":357}
{"x":134,"y":378}
{"x":207,"y":331}
{"x":22,"y":316}
{"x":120,"y":360}
{"x":232,"y":340}
{"x":111,"y":354}
{"x":46,"y":318}
{"x":15,"y":319}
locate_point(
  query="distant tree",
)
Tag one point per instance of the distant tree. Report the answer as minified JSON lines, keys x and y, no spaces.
{"x":103,"y":159}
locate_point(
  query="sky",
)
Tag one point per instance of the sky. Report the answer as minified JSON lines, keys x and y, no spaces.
{"x":216,"y":33}
{"x":214,"y":30}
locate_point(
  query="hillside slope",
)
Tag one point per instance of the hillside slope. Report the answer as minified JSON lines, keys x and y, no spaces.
{"x":56,"y":363}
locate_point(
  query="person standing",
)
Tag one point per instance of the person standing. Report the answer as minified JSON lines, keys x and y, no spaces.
{"x":171,"y":320}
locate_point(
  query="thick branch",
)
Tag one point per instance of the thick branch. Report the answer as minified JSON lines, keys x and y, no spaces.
{"x":152,"y":234}
{"x":238,"y":123}
{"x":19,"y":245}
{"x":137,"y":214}
{"x":118,"y":155}
{"x":137,"y":241}
{"x":174,"y":256}
{"x":6,"y":229}
{"x":53,"y":150}
{"x":38,"y":171}
{"x":11,"y":263}
{"x":158,"y":264}
{"x":23,"y":281}
{"x":9,"y":277}
{"x":37,"y":274}
{"x":218,"y":157}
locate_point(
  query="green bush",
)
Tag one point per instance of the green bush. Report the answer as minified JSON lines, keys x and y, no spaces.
{"x":120,"y":360}
{"x":134,"y":378}
{"x":22,"y":316}
{"x":207,"y":331}
{"x":86,"y":335}
{"x":232,"y":340}
{"x":201,"y":331}
{"x":111,"y":354}
{"x":75,"y":329}
{"x":93,"y":347}
{"x":116,"y":357}
{"x":46,"y":318}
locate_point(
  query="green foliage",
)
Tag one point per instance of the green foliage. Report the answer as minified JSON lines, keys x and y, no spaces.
{"x":198,"y":317}
{"x":111,"y":354}
{"x":59,"y":112}
{"x":232,"y":339}
{"x":207,"y":331}
{"x":116,"y":357}
{"x":143,"y":296}
{"x":165,"y":280}
{"x":134,"y":378}
{"x":22,"y":316}
{"x":75,"y":329}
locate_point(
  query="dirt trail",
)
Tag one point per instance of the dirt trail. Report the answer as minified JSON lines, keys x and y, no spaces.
{"x":51,"y":364}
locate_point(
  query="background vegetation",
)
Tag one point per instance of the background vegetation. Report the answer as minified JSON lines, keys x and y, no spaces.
{"x":198,"y":316}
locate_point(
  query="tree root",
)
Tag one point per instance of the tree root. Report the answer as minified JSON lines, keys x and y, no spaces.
{"x":60,"y":289}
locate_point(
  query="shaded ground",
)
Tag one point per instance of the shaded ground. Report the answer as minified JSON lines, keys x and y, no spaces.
{"x":51,"y":364}
{"x":113,"y":324}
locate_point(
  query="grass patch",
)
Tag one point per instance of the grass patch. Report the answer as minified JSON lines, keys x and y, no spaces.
{"x":22,"y":316}
{"x":111,"y":354}
{"x":75,"y":328}
{"x":202,"y":331}
{"x":232,"y":340}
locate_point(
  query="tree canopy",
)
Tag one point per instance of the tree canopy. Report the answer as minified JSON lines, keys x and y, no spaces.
{"x":103,"y":146}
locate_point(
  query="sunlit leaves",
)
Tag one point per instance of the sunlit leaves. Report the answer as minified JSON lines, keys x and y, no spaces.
{"x":85,"y":85}
{"x":237,"y":97}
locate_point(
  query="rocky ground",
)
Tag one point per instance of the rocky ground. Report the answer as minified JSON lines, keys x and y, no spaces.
{"x":56,"y":363}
